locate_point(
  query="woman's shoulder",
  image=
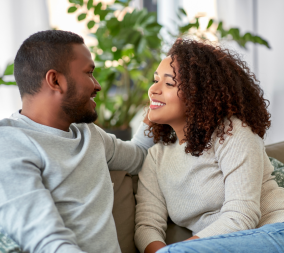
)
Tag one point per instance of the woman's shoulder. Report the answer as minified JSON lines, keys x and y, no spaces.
{"x":161,"y":151}
{"x":239,"y":134}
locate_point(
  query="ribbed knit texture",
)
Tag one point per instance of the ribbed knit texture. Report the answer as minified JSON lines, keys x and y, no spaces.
{"x":229,"y":188}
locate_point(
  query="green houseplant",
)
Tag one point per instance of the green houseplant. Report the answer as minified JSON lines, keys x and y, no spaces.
{"x":9,"y":71}
{"x":126,"y":56}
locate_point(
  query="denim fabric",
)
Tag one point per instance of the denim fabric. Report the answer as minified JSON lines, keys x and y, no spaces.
{"x":267,"y":239}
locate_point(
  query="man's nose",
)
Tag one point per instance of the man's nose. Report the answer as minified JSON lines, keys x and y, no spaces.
{"x":97,"y":85}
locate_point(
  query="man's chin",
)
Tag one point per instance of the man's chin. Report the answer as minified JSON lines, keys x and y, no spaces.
{"x":87,"y":118}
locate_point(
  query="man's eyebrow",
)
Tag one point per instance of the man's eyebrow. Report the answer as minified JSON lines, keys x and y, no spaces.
{"x":169,"y":75}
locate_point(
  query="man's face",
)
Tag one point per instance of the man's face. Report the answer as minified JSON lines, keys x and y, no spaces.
{"x":78,"y":103}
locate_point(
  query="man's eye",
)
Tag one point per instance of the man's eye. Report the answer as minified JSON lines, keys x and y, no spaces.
{"x":90,"y":73}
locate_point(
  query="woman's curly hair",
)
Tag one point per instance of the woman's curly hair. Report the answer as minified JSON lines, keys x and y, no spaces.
{"x":214,"y":84}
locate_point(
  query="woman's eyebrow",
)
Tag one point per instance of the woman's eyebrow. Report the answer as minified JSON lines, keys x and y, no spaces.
{"x":169,"y":75}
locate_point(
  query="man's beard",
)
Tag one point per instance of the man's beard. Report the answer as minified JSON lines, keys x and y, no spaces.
{"x":76,"y":108}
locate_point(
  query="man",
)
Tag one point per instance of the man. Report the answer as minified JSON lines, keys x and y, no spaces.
{"x":55,"y":189}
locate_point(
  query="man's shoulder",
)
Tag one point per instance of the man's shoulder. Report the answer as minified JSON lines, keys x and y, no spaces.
{"x":12,"y":131}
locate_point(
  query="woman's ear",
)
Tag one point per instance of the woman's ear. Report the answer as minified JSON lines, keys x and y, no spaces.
{"x":54,"y":81}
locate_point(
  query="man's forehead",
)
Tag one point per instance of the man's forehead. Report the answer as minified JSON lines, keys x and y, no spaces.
{"x":82,"y":54}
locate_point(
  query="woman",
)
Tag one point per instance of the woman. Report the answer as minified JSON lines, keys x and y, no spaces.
{"x":208,"y":171}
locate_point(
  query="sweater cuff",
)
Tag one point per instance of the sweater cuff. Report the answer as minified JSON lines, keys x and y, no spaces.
{"x":143,"y":239}
{"x":212,"y":231}
{"x":140,"y":139}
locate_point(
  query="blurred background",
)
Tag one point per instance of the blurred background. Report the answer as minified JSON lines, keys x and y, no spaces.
{"x":129,"y":38}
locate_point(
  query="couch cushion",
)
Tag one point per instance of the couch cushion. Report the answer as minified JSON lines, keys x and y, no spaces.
{"x":124,"y":210}
{"x":276,"y":150}
{"x":176,"y":233}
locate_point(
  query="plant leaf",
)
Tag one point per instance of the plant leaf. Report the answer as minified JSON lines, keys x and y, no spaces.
{"x":103,"y":14}
{"x":90,"y":4}
{"x":98,"y":8}
{"x":82,"y":16}
{"x":182,"y":11}
{"x":185,"y":28}
{"x":91,"y":24}
{"x":9,"y":70}
{"x":81,"y":2}
{"x":141,"y":45}
{"x":210,"y":23}
{"x":220,"y":26}
{"x":7,"y":83}
{"x":125,"y":3}
{"x":72,"y":9}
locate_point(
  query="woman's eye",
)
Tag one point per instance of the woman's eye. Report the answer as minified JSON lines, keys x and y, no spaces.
{"x":155,"y":81}
{"x":170,"y":84}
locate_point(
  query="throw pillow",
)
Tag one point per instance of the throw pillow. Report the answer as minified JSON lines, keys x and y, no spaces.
{"x":278,"y":171}
{"x":7,"y":245}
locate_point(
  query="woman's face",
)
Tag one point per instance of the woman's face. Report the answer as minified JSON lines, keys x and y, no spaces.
{"x":166,"y":107}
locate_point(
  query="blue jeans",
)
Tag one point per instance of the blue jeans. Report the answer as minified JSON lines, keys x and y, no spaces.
{"x":267,"y":239}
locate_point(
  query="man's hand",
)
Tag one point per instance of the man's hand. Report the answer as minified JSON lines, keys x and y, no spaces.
{"x":154,"y":247}
{"x":192,"y":238}
{"x":146,"y":119}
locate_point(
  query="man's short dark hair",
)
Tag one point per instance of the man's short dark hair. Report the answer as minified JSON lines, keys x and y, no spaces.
{"x":41,"y":52}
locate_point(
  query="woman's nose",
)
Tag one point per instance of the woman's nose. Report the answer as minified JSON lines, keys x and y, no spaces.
{"x":155,"y":89}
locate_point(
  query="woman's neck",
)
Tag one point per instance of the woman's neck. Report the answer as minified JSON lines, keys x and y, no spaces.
{"x":179,"y":132}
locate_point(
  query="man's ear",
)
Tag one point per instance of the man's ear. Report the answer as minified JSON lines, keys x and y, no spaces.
{"x":55,"y":81}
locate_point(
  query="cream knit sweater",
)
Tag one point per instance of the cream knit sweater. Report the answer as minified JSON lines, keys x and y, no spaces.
{"x":229,"y":188}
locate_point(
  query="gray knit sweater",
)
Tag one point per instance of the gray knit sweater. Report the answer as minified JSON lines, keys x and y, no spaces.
{"x":229,"y":188}
{"x":56,"y":194}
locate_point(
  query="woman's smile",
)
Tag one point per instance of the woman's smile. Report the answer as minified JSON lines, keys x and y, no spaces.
{"x":155,"y":104}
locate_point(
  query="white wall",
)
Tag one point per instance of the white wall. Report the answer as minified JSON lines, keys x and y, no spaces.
{"x":18,"y":20}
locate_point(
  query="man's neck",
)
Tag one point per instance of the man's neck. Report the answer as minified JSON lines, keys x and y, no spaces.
{"x":41,"y":111}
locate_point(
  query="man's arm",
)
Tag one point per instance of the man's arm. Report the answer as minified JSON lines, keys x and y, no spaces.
{"x":27,"y":211}
{"x":126,"y":155}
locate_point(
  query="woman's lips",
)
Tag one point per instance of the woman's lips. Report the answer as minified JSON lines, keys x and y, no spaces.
{"x":155,"y":104}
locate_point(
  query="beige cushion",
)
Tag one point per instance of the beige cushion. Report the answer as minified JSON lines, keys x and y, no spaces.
{"x":276,"y":150}
{"x":124,"y":210}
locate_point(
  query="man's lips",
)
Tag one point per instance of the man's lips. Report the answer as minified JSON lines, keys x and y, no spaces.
{"x":92,"y":98}
{"x":155,"y":104}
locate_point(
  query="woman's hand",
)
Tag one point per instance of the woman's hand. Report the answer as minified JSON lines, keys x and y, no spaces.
{"x":154,"y":247}
{"x":192,"y":238}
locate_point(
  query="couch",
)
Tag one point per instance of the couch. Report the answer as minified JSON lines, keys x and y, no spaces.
{"x":125,"y":188}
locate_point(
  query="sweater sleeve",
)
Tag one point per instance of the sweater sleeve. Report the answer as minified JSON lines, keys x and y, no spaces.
{"x":127,"y":155}
{"x":151,"y":211}
{"x":27,"y":210}
{"x":240,"y":158}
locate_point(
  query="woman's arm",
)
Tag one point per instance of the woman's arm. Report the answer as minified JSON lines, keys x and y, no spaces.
{"x":241,"y":160}
{"x":151,"y":211}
